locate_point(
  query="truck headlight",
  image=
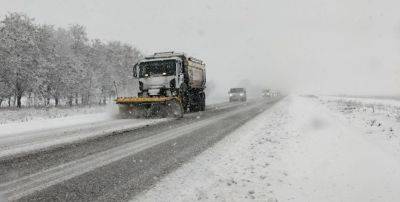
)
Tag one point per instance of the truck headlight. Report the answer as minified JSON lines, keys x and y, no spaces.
{"x":230,"y":94}
{"x":241,"y":94}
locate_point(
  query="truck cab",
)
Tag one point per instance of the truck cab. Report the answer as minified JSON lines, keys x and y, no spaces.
{"x":172,"y":74}
{"x":159,"y":77}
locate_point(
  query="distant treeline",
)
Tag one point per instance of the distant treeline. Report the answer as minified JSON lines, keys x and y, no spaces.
{"x":43,"y":65}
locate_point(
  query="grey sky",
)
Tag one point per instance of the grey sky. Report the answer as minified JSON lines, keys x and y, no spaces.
{"x":310,"y":46}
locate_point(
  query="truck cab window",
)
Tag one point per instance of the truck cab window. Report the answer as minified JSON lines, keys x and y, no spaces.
{"x":157,"y":68}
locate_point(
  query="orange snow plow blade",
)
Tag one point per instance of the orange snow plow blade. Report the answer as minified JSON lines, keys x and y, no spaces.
{"x":144,"y":107}
{"x":138,"y":100}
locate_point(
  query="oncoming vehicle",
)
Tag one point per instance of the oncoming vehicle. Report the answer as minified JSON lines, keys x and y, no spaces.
{"x":237,"y":94}
{"x":170,"y":84}
{"x":266,"y":93}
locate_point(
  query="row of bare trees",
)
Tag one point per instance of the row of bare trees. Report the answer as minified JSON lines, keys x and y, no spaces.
{"x":41,"y":65}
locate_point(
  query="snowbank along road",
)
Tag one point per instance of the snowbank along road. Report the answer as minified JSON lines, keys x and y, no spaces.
{"x":111,"y":160}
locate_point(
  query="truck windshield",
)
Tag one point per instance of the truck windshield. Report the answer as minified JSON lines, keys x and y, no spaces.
{"x":157,"y":68}
{"x":236,"y":90}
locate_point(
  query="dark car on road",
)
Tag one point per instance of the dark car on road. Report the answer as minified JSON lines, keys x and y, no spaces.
{"x":237,"y":94}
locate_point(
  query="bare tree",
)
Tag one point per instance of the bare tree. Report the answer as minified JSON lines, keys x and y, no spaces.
{"x":21,"y":52}
{"x":45,"y":63}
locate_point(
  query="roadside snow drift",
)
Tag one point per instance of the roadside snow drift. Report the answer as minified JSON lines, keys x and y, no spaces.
{"x":299,"y":150}
{"x":21,"y":138}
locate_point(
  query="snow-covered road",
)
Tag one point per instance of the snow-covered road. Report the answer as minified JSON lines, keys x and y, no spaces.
{"x":300,"y":150}
{"x":29,"y":184}
{"x":112,"y":165}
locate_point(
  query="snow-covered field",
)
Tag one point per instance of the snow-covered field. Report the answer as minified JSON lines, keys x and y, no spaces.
{"x":15,"y":115}
{"x":37,"y":124}
{"x":378,"y":119}
{"x":17,"y":121}
{"x":302,"y":149}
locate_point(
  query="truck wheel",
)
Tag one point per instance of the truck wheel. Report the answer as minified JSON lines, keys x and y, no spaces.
{"x":194,"y":107}
{"x":174,"y":109}
{"x":203,"y":102}
{"x":185,"y":99}
{"x":193,"y":103}
{"x":198,"y":102}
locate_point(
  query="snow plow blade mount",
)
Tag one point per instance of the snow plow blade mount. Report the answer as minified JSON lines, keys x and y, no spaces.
{"x":147,"y":107}
{"x":135,"y":100}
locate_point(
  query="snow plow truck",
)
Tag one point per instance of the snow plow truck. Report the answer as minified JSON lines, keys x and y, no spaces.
{"x":170,"y":84}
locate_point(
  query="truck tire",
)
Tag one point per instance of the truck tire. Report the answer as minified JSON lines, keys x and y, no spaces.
{"x":194,"y":107}
{"x":203,"y":101}
{"x":185,"y":97}
{"x":197,"y":102}
{"x":174,"y":109}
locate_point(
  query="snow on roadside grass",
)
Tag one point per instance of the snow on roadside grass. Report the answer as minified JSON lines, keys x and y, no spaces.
{"x":14,"y":122}
{"x":378,"y":118}
{"x":296,"y":151}
{"x":46,"y":124}
{"x":365,"y":101}
{"x":15,"y":115}
{"x":331,"y":160}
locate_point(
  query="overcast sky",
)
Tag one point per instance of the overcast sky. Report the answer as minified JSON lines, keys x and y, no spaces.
{"x":308,"y":46}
